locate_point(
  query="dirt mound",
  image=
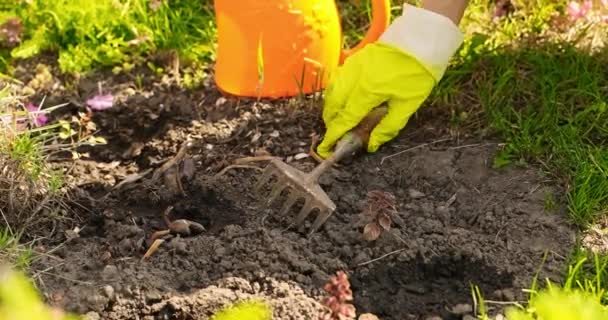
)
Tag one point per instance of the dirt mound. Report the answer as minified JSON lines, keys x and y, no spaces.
{"x":287,"y":301}
{"x":459,"y":222}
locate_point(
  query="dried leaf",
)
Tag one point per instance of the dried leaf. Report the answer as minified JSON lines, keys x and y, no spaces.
{"x":384,"y":221}
{"x":371,"y":231}
{"x":301,"y":156}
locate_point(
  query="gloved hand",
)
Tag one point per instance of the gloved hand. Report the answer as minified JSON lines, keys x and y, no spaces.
{"x":401,"y":69}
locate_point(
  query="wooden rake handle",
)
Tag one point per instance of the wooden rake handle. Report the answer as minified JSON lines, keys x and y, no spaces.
{"x":363,"y":130}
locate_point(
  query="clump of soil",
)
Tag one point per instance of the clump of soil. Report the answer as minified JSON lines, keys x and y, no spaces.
{"x":457,"y":221}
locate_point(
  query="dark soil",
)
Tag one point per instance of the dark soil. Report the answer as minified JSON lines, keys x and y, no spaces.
{"x":459,"y":222}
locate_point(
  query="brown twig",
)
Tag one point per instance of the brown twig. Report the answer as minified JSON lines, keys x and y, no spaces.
{"x":412,"y":148}
{"x":245,"y":160}
{"x":181,"y":153}
{"x":152,"y":248}
{"x":380,"y":258}
{"x":232,"y":166}
{"x":313,"y":146}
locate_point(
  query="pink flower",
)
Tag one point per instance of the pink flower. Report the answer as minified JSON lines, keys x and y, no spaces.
{"x":101,"y":102}
{"x":40,"y":118}
{"x":577,"y":11}
{"x":604,"y":2}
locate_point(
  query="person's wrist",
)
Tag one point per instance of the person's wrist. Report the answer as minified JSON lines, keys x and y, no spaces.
{"x":426,"y":35}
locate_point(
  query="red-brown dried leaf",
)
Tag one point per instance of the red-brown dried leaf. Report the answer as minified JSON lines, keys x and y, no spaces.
{"x":371,"y":231}
{"x":384,"y":220}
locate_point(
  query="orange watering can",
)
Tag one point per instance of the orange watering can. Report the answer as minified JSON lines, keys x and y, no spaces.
{"x":281,"y":48}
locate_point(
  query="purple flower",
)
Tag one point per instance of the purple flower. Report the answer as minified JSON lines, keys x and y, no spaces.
{"x":40,"y":118}
{"x":101,"y":102}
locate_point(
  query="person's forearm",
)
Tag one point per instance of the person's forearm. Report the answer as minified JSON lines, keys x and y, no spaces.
{"x":453,"y":9}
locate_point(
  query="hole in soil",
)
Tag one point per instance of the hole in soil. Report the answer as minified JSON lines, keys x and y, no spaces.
{"x":203,"y":206}
{"x":403,"y":290}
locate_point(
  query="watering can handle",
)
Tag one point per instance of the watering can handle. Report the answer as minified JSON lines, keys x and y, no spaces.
{"x":381,"y":14}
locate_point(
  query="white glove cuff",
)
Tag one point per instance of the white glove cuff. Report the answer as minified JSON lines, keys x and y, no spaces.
{"x":430,"y":37}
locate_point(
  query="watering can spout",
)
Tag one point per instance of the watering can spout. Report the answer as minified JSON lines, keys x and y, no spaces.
{"x":283,"y":48}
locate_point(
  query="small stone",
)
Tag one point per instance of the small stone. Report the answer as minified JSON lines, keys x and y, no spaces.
{"x":301,"y":156}
{"x":368,"y":316}
{"x":152,"y":297}
{"x":110,"y":272}
{"x":125,"y":246}
{"x":415,"y":288}
{"x":434,"y":318}
{"x":226,"y":264}
{"x":179,"y":245}
{"x":508,"y":295}
{"x":302,"y":279}
{"x":92,"y":316}
{"x":255,"y":287}
{"x":108,"y":291}
{"x":499,"y":317}
{"x":361,"y":258}
{"x":220,"y":251}
{"x":97,"y":302}
{"x":415,"y":194}
{"x":462,"y":308}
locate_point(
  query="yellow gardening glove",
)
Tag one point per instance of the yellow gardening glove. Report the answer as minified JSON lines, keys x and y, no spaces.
{"x":401,"y":69}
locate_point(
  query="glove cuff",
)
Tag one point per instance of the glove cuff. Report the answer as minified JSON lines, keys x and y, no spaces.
{"x":428,"y":36}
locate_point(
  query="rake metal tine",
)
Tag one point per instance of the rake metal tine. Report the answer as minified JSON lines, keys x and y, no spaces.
{"x":304,"y":212}
{"x":293,"y":197}
{"x":263,"y":179}
{"x":321,"y":218}
{"x":276,"y":191}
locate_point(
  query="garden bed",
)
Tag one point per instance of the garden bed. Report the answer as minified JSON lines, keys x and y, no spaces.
{"x":458,"y":221}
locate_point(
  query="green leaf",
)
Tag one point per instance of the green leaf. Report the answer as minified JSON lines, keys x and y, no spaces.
{"x":249,"y":310}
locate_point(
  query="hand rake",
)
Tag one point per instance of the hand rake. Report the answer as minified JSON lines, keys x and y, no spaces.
{"x":301,"y":185}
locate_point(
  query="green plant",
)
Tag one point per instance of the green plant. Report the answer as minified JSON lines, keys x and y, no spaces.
{"x":112,"y":33}
{"x":520,"y":78}
{"x":579,"y":297}
{"x":559,"y":304}
{"x":11,"y":251}
{"x":20,"y":300}
{"x":245,"y":310}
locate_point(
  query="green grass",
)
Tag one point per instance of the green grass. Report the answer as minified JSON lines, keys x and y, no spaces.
{"x":582,"y":295}
{"x":88,"y":34}
{"x":12,"y":251}
{"x":544,"y":97}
